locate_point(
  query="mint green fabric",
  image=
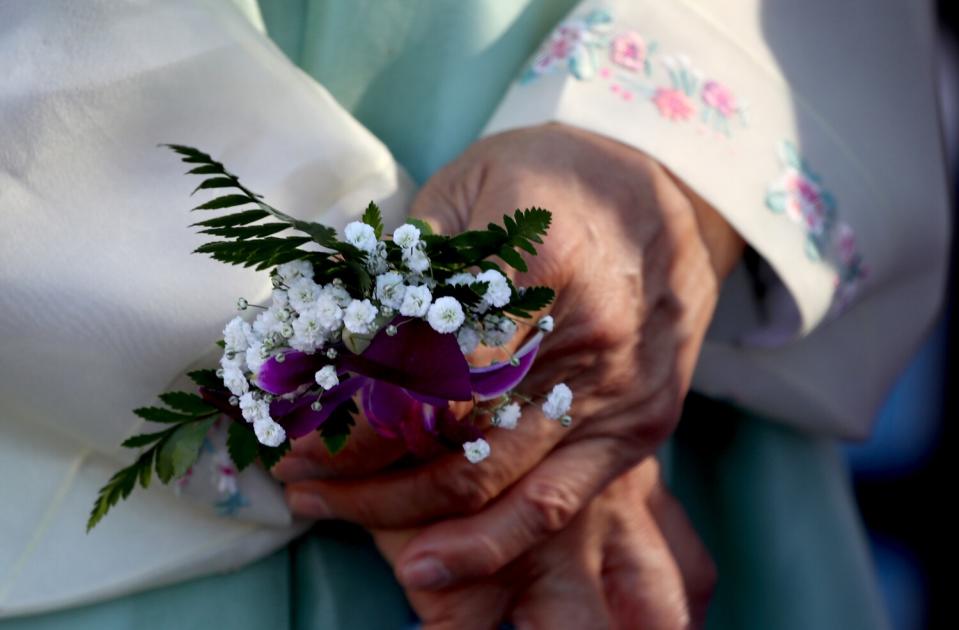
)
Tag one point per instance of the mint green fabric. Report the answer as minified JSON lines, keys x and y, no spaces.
{"x":423,"y":75}
{"x":332,"y":578}
{"x":773,"y":505}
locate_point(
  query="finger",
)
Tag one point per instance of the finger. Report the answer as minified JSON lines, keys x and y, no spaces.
{"x":448,"y":485}
{"x":563,"y":599}
{"x":696,"y":566}
{"x":477,"y":606}
{"x":541,"y":504}
{"x":365,"y":452}
{"x":642,"y":578}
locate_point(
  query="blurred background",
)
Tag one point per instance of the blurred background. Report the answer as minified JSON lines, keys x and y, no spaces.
{"x":901,"y":473}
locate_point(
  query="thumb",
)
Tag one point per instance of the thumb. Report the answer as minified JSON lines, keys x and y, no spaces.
{"x":436,"y":205}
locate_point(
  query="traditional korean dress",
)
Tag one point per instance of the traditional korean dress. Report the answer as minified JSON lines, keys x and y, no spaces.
{"x":812,"y":127}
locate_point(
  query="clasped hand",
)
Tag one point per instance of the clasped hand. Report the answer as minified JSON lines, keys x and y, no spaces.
{"x":559,"y":527}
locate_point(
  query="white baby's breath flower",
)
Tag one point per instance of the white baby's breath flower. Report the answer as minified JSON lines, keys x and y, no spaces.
{"x":328,"y":312}
{"x":294,"y":270}
{"x":445,"y":315}
{"x":255,"y":356}
{"x":376,"y":262}
{"x":468,"y":338}
{"x":268,"y":432}
{"x":558,"y":401}
{"x":339,"y":294}
{"x":266,"y":323}
{"x":236,"y":335}
{"x":460,"y":279}
{"x":416,"y":301}
{"x":235,"y":381}
{"x":308,"y":332}
{"x":359,"y":317}
{"x":476,"y":451}
{"x":546,"y":324}
{"x":390,"y":289}
{"x":497,"y":330}
{"x":498,"y":292}
{"x":361,"y":235}
{"x":406,"y":236}
{"x":326,"y":377}
{"x":416,"y":259}
{"x":253,"y":408}
{"x":507,"y":417}
{"x":280,"y":298}
{"x":303,"y":293}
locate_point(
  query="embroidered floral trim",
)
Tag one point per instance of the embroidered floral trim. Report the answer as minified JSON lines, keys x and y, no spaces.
{"x":572,"y":47}
{"x":215,"y":457}
{"x":799,"y":195}
{"x":674,"y":87}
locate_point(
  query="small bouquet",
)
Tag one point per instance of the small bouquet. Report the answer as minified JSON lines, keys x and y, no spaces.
{"x":386,"y":322}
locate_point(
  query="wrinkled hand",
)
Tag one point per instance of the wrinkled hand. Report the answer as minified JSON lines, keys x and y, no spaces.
{"x":629,"y":559}
{"x":636,"y":261}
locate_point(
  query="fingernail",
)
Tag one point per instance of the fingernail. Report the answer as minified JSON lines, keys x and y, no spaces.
{"x":309,"y":504}
{"x":426,"y":573}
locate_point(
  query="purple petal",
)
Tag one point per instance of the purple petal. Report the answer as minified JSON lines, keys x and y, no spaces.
{"x":297,"y":368}
{"x":298,"y":417}
{"x":387,"y":406}
{"x":428,"y":364}
{"x":495,"y":380}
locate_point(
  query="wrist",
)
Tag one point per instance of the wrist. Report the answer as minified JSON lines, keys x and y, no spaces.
{"x":723,"y":243}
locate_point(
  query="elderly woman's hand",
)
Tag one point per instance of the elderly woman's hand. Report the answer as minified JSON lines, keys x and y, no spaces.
{"x":637,"y":261}
{"x":629,"y":559}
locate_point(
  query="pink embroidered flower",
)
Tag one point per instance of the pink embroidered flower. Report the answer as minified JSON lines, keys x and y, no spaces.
{"x":629,"y":51}
{"x":673,"y":104}
{"x":805,"y":203}
{"x":720,"y":98}
{"x":562,"y":44}
{"x":845,"y":244}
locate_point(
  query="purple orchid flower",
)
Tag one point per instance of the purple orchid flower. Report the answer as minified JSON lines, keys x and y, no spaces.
{"x":407,"y":381}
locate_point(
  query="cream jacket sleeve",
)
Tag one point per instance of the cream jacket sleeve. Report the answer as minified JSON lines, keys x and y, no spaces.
{"x":813,"y":128}
{"x":102,"y":306}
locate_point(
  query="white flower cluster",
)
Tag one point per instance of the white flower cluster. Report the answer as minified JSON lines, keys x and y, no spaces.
{"x":307,"y":316}
{"x":506,"y":415}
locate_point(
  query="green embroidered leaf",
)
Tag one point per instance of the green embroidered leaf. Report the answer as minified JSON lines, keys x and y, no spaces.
{"x":159,"y":414}
{"x":271,"y":455}
{"x":374,"y":218}
{"x":226,"y":201}
{"x":336,"y":430}
{"x":187,"y":403}
{"x":242,"y":444}
{"x":205,"y":378}
{"x":181,"y":449}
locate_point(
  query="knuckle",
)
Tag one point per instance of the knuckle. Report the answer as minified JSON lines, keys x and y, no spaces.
{"x":552,"y":505}
{"x":465,"y":491}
